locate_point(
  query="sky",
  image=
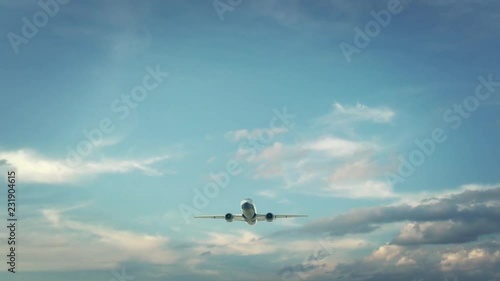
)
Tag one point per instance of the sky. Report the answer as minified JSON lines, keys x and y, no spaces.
{"x":124,"y":119}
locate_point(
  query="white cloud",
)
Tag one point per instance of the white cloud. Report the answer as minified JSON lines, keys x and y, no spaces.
{"x":359,"y":170}
{"x":274,"y":160}
{"x":391,"y":262}
{"x":469,"y":259}
{"x":56,"y":243}
{"x":385,"y":253}
{"x":336,"y":147}
{"x":327,"y":165}
{"x":363,"y":189}
{"x":269,"y":193}
{"x":331,"y":244}
{"x":265,"y":133}
{"x":272,"y":153}
{"x":358,"y":113}
{"x":249,"y":243}
{"x":310,"y":165}
{"x":36,"y":168}
{"x":244,"y":243}
{"x":360,"y":179}
{"x":110,"y":141}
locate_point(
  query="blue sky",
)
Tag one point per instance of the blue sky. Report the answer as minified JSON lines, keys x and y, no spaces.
{"x":392,"y":149}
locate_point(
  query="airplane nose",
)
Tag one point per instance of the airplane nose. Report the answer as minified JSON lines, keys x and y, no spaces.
{"x":246,"y":206}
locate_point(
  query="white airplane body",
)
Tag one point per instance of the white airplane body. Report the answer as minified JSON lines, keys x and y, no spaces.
{"x":248,"y":214}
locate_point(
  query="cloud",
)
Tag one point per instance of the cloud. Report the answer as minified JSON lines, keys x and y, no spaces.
{"x":39,"y":169}
{"x":362,"y":189}
{"x":453,"y":237}
{"x":359,"y":170}
{"x":253,"y":134}
{"x":274,"y":153}
{"x":336,"y":147}
{"x":359,"y":113}
{"x":335,"y":167}
{"x":456,"y":218}
{"x":324,"y":149}
{"x":330,"y":244}
{"x":359,"y":179}
{"x":323,"y":256}
{"x":248,"y":243}
{"x":478,"y":261}
{"x":269,"y":193}
{"x":444,"y":232}
{"x":327,"y":165}
{"x":472,"y":258}
{"x":249,"y":247}
{"x":243,"y":243}
{"x":56,"y":243}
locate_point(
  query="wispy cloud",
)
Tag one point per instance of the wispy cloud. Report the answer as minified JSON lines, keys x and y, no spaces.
{"x":238,"y":135}
{"x":358,"y":170}
{"x":54,"y":242}
{"x":336,"y":147}
{"x":243,"y":243}
{"x":360,"y":189}
{"x":269,"y":193}
{"x":40,"y":169}
{"x":249,"y":243}
{"x":358,"y":113}
{"x":328,"y":166}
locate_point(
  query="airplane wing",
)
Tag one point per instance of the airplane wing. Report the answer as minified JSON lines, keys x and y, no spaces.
{"x":236,"y":217}
{"x":290,"y":216}
{"x":263,"y":217}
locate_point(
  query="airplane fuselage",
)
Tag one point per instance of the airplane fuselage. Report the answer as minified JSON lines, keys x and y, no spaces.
{"x":249,"y":211}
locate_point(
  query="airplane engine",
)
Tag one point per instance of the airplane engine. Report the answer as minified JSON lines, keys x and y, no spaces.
{"x":229,"y":217}
{"x":269,"y":217}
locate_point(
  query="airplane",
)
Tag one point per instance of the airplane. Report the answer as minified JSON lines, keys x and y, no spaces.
{"x":248,"y":214}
